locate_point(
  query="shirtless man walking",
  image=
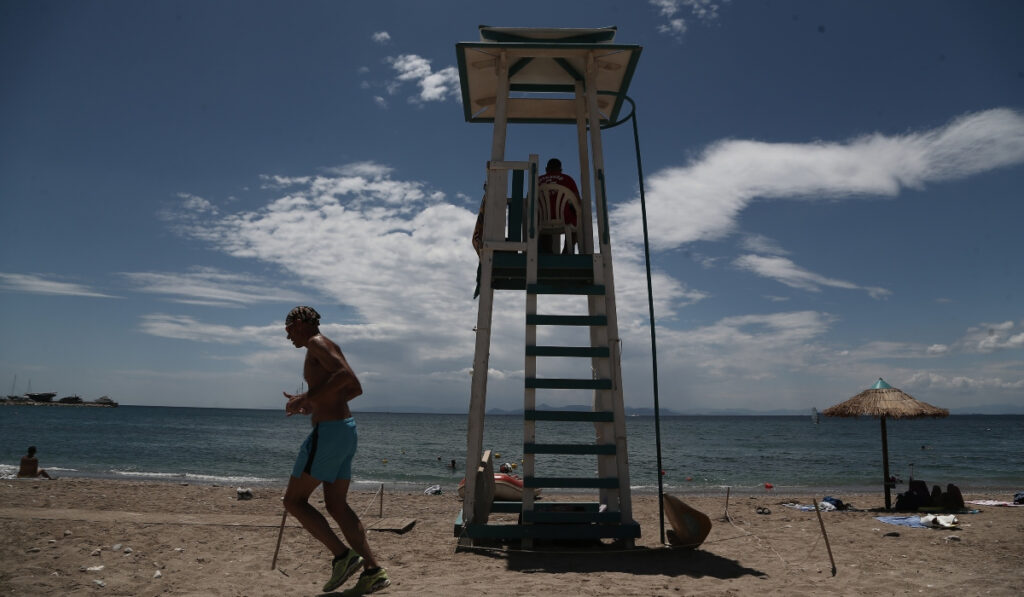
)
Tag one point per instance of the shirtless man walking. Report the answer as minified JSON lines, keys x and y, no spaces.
{"x":326,"y":455}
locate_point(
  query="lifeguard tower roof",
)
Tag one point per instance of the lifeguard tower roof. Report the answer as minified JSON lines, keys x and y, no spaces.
{"x":544,"y":65}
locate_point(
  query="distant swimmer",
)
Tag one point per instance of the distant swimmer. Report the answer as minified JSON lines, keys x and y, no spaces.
{"x":30,"y":466}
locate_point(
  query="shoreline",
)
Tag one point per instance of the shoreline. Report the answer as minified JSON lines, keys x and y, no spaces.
{"x":76,"y":404}
{"x":142,"y":537}
{"x":449,"y":485}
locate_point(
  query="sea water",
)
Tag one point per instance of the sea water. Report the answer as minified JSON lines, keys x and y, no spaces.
{"x":699,"y":454}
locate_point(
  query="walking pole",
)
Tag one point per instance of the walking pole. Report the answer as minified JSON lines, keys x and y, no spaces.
{"x":280,"y":533}
{"x":825,"y":535}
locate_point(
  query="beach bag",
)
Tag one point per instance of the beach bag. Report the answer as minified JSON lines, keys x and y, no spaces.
{"x":838,"y":503}
{"x":1018,"y":498}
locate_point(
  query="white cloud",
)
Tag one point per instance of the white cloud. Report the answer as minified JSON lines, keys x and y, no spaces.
{"x":984,"y":338}
{"x":197,"y":204}
{"x":745,"y":347}
{"x":392,"y":250}
{"x":926,"y":380}
{"x":188,"y":328}
{"x":794,"y":276}
{"x":211,"y":287}
{"x":43,"y":284}
{"x":758,"y":243}
{"x":991,"y":337}
{"x":397,"y":255}
{"x":702,"y":10}
{"x":434,"y":85}
{"x":702,"y":200}
{"x":381,"y":37}
{"x":675,"y":27}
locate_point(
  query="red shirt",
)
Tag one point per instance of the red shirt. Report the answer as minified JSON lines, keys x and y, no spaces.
{"x":568,"y":214}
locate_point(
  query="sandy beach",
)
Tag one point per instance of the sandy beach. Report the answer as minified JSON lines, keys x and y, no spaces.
{"x":98,"y":537}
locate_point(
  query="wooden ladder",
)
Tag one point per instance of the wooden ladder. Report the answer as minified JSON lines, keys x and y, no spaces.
{"x":517,"y":265}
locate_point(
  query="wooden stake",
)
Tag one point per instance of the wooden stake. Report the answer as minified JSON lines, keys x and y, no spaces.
{"x":280,"y":533}
{"x":726,"y":515}
{"x":825,"y":535}
{"x":381,"y":515}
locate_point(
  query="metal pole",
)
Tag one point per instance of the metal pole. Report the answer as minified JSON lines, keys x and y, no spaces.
{"x":825,"y":535}
{"x":650,"y":307}
{"x":280,"y":533}
{"x":885,"y":466}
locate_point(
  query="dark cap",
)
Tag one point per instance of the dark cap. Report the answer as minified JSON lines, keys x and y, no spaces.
{"x":554,"y":164}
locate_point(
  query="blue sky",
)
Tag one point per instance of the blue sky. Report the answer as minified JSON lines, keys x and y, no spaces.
{"x":834,"y":194}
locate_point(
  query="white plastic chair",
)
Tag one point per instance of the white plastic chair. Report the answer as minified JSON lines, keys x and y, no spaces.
{"x":552,"y":199}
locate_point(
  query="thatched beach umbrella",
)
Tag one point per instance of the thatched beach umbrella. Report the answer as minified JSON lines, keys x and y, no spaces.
{"x":884,"y":401}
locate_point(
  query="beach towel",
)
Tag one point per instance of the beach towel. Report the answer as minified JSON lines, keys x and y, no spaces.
{"x":992,"y":503}
{"x":930,"y":521}
{"x":801,"y":507}
{"x":913,"y":522}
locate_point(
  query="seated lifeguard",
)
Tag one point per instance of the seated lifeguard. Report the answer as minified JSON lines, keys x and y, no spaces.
{"x":553,"y":175}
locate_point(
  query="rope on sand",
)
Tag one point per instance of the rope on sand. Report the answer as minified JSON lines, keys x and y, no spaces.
{"x":379,"y":492}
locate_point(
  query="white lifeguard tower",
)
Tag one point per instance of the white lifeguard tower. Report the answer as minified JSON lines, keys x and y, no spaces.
{"x":556,"y":76}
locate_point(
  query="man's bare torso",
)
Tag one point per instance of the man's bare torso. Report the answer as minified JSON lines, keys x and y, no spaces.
{"x":327,"y":408}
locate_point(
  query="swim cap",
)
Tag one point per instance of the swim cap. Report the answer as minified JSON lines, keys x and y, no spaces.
{"x":302,"y":313}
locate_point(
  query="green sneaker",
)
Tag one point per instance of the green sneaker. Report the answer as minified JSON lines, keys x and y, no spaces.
{"x":342,"y":568}
{"x":369,"y":582}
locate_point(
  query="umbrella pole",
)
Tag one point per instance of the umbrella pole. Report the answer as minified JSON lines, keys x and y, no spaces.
{"x":885,"y":467}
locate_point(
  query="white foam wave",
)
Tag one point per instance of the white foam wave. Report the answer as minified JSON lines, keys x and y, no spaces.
{"x":228,"y":479}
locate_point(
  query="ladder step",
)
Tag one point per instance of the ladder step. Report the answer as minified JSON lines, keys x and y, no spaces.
{"x":589,"y":320}
{"x":555,"y":383}
{"x":572,"y":517}
{"x":589,"y":289}
{"x":567,"y":351}
{"x":531,"y":448}
{"x":571,"y":482}
{"x":577,"y":263}
{"x":600,"y":416}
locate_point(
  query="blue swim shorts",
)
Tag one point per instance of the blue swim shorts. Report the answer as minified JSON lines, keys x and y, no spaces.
{"x":328,"y":451}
